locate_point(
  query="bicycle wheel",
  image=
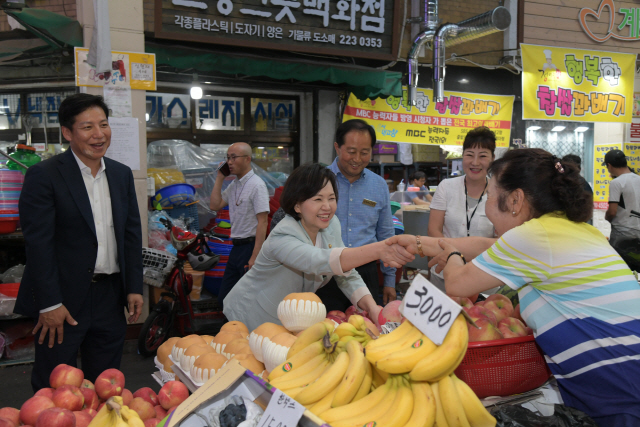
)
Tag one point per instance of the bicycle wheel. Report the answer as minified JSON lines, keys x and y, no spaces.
{"x":154,"y":332}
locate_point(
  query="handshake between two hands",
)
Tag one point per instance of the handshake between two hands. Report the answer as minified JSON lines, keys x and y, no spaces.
{"x":402,"y":249}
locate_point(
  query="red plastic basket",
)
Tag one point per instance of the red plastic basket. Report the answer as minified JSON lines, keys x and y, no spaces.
{"x":503,"y":367}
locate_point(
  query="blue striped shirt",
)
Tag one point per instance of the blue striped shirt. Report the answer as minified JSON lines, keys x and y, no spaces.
{"x":363,"y":224}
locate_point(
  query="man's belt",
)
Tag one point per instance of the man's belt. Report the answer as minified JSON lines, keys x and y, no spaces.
{"x":246,"y":240}
{"x":100,"y":277}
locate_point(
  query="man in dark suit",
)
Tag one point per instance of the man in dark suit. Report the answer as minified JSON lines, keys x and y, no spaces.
{"x":81,"y":225}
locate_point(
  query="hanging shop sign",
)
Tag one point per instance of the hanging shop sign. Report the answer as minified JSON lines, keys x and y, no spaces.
{"x":632,"y":148}
{"x":129,"y":69}
{"x":360,"y":28}
{"x":577,"y":85}
{"x":601,"y":176}
{"x":168,"y":110}
{"x":591,"y":19}
{"x":434,"y":123}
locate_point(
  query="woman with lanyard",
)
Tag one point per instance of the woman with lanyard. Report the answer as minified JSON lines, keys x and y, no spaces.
{"x":457,"y":208}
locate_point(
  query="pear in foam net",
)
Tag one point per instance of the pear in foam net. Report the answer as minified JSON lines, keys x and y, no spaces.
{"x":192,"y":353}
{"x":248,"y":361}
{"x":237,"y":346}
{"x":207,"y":338}
{"x":258,"y":335}
{"x":221,"y":340}
{"x":298,"y":311}
{"x":182,"y":345}
{"x":206,"y":366}
{"x":165,"y":350}
{"x":237,"y":327}
{"x":275,"y":350}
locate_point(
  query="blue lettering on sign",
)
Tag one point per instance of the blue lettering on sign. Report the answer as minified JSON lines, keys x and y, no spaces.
{"x":13,"y":117}
{"x":210,"y":109}
{"x":157,"y":108}
{"x":178,"y":102}
{"x":282,"y":110}
{"x":383,"y":131}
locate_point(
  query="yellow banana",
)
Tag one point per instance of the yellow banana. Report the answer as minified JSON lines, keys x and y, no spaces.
{"x":300,"y":359}
{"x":305,"y":379}
{"x":444,"y":358}
{"x":451,"y":404}
{"x":365,"y":386}
{"x":323,"y":404}
{"x":326,"y":382}
{"x":102,"y":418}
{"x":353,"y":376}
{"x":441,"y":419}
{"x":363,"y":405}
{"x":131,"y":417}
{"x":454,"y":366}
{"x":400,"y":411}
{"x":302,"y":370}
{"x":293,"y":392}
{"x":424,"y":406}
{"x":476,"y":413}
{"x":408,"y":339}
{"x":358,"y":321}
{"x":347,"y":329}
{"x":405,"y":359}
{"x":310,"y":335}
{"x":385,"y":339}
{"x":379,"y":377}
{"x":372,"y":414}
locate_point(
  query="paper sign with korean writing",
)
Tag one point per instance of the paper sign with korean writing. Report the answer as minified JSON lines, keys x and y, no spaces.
{"x":601,"y":176}
{"x":632,"y":148}
{"x":577,"y":85}
{"x":431,"y":122}
{"x":130,"y":69}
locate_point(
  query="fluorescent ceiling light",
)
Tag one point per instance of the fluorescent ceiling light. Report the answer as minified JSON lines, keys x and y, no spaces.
{"x":582,"y":128}
{"x":558,"y":128}
{"x":280,"y":147}
{"x":463,"y":81}
{"x":196,"y":92}
{"x":533,"y":128}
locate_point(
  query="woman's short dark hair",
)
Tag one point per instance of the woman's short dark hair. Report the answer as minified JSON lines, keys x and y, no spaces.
{"x":305,"y":182}
{"x":548,"y":183}
{"x":357,"y":125}
{"x":481,"y":137}
{"x":76,"y":104}
{"x":417,"y":175}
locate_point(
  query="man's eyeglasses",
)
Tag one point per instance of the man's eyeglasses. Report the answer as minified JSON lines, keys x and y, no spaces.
{"x":234,"y":157}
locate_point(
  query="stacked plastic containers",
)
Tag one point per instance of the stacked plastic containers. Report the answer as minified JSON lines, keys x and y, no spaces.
{"x":213,"y":277}
{"x":10,"y":188}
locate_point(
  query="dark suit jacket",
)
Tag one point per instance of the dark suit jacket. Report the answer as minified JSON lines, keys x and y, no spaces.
{"x":60,"y":236}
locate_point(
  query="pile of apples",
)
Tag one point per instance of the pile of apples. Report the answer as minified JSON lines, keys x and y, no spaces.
{"x":496,"y":318}
{"x":389,"y":313}
{"x":73,"y":401}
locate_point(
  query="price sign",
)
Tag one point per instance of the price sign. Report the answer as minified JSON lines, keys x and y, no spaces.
{"x":282,"y":411}
{"x":429,"y":309}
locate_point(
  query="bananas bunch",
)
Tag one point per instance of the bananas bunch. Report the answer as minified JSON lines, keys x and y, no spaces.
{"x":115,"y":414}
{"x":354,"y":329}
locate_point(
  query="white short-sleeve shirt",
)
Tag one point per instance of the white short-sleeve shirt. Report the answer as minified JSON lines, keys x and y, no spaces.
{"x":246,"y":197}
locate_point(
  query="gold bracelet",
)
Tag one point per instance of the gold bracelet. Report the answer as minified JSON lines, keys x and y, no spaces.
{"x":419,"y":246}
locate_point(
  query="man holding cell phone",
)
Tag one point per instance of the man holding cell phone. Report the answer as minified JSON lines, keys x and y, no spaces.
{"x":248,"y":201}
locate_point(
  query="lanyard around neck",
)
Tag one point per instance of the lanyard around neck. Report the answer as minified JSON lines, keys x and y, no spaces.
{"x":466,"y":204}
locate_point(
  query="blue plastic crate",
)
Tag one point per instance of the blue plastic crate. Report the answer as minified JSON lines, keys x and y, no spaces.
{"x":190,"y":214}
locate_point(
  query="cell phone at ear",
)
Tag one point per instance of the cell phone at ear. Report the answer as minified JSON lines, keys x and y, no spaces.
{"x":224,"y":169}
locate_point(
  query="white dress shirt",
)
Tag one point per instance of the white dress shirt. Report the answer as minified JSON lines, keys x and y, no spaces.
{"x":100,"y":200}
{"x":246,"y":197}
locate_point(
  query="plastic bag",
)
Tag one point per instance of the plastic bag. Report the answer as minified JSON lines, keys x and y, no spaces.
{"x":254,"y":412}
{"x":6,"y":306}
{"x":13,"y":274}
{"x":564,"y":416}
{"x":164,"y":177}
{"x":158,"y":233}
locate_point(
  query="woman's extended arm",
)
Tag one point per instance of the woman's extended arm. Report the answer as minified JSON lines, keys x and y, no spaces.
{"x":392,"y":255}
{"x":464,"y":280}
{"x":470,"y":247}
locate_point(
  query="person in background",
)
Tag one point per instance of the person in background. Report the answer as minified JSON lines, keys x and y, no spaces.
{"x":624,"y":196}
{"x":81,"y":226}
{"x":418,"y":179}
{"x":248,"y":201}
{"x":576,"y":293}
{"x":363,"y":206}
{"x":305,"y":253}
{"x":458,"y":205}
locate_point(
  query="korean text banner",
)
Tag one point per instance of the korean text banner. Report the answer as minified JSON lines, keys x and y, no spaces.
{"x":434,"y":123}
{"x":577,"y":85}
{"x":130,"y":69}
{"x":601,"y":176}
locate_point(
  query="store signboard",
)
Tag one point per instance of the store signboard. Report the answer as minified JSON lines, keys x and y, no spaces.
{"x":576,"y":84}
{"x":168,"y":110}
{"x":431,"y":122}
{"x":130,"y":69}
{"x":601,"y":176}
{"x":632,"y":148}
{"x":361,"y":28}
{"x":220,"y":113}
{"x":630,"y":17}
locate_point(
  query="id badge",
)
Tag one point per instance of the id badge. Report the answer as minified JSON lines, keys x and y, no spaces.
{"x":369,"y":203}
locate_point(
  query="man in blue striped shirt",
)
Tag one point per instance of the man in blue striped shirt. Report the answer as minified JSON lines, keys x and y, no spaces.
{"x":363,"y":202}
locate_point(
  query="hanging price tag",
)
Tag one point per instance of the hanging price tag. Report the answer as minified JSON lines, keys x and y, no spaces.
{"x":282,"y":411}
{"x":429,"y":309}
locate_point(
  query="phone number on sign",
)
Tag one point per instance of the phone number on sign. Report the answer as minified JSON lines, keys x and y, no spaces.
{"x":363,"y":41}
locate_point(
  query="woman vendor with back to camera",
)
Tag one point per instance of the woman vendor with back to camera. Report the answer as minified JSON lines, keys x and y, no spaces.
{"x":576,"y":293}
{"x":304,"y":252}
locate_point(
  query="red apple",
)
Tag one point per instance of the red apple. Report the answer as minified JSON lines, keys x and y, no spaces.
{"x":173,"y":393}
{"x":83,"y":419}
{"x":473,"y":298}
{"x":65,"y":374}
{"x":87,"y":384}
{"x":46,"y":392}
{"x":339,"y":314}
{"x":351,"y":310}
{"x":56,"y":417}
{"x":464,"y":302}
{"x":100,"y":406}
{"x":91,"y":399}
{"x":517,"y":314}
{"x":143,"y":408}
{"x":152,"y":422}
{"x":127,"y":397}
{"x":11,"y":414}
{"x":33,"y":407}
{"x":160,"y":412}
{"x":496,"y":297}
{"x":68,"y":397}
{"x":512,"y":328}
{"x":6,"y":422}
{"x":92,"y":412}
{"x":337,"y":320}
{"x":109,"y":383}
{"x":147,"y":394}
{"x":487,"y":331}
{"x":390,"y":313}
{"x":500,"y":308}
{"x":478,"y":312}
{"x":480,"y":303}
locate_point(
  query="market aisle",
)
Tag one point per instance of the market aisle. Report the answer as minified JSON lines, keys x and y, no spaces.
{"x":15,"y":381}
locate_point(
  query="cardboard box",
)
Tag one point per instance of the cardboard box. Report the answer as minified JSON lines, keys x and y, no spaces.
{"x":384,"y":158}
{"x":232,"y":379}
{"x":385,"y":148}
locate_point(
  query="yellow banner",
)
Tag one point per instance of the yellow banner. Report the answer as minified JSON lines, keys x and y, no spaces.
{"x":434,"y":123}
{"x":601,"y":177}
{"x":632,"y":152}
{"x":129,"y":69}
{"x":577,"y":85}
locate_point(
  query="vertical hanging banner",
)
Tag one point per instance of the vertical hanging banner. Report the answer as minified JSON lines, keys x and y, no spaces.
{"x":434,"y":123}
{"x":601,"y":177}
{"x":636,"y":103}
{"x":632,"y":148}
{"x":576,"y":84}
